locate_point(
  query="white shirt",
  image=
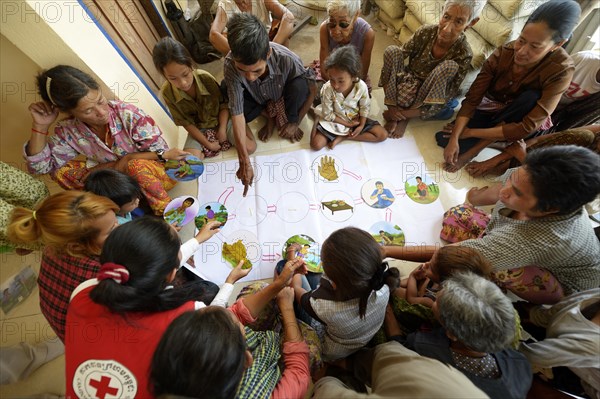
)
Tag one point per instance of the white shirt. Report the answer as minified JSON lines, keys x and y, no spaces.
{"x":584,"y":83}
{"x":357,"y":103}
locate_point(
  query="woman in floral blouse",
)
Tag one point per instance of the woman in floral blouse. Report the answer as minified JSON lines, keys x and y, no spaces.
{"x":109,"y":134}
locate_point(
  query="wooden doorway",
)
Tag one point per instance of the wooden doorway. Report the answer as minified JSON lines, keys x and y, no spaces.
{"x":134,"y":30}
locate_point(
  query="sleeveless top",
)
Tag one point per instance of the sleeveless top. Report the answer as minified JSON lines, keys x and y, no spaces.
{"x":360,"y":29}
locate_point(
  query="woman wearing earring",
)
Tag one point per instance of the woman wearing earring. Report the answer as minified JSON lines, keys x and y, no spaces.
{"x":518,"y":87}
{"x":110,"y":134}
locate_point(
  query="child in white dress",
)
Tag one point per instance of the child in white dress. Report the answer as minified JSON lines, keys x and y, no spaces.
{"x":345,"y":104}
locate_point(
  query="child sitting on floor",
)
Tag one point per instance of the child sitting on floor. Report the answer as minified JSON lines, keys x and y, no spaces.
{"x":411,"y":304}
{"x":194,"y":99}
{"x":352,"y":295}
{"x":423,"y":283}
{"x":345,"y":101}
{"x":122,"y":189}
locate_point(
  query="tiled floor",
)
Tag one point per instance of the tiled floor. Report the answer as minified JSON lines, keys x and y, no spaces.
{"x":26,"y":323}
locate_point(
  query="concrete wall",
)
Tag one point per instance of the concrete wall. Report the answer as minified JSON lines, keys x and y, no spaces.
{"x":41,"y":34}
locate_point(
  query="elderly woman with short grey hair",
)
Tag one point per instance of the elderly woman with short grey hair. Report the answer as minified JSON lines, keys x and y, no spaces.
{"x":344,"y":27}
{"x":477,"y":327}
{"x":438,"y":59}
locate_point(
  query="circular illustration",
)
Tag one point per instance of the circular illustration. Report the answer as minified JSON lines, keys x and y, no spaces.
{"x":337,"y":206}
{"x":186,"y":169}
{"x":251,"y":210}
{"x":378,"y":193}
{"x":292,"y":207}
{"x":422,"y":189}
{"x":327,"y":168}
{"x":386,"y":233}
{"x":242,"y":245}
{"x":211,"y":211}
{"x":181,"y":211}
{"x":307,"y":249}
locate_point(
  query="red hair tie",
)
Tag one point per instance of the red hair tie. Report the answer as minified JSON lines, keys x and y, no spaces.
{"x":113,"y":271}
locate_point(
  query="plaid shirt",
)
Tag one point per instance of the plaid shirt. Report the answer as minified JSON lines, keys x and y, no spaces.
{"x":260,"y":379}
{"x":345,"y":331}
{"x":565,"y":245}
{"x":59,"y":276}
{"x":283,"y":66}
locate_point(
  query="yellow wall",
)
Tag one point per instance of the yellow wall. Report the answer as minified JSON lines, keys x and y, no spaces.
{"x":42,"y":34}
{"x":18,"y":91}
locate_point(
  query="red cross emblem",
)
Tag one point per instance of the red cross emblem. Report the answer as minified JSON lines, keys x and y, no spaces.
{"x":103,"y":387}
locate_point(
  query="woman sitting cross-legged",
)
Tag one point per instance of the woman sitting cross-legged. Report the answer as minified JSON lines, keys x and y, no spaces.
{"x":438,"y":59}
{"x":519,"y":86}
{"x":110,"y":134}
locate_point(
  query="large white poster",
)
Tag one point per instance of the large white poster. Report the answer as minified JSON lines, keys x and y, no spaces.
{"x":382,"y":188}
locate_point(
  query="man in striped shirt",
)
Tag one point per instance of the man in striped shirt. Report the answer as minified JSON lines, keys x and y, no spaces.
{"x":263,"y":78}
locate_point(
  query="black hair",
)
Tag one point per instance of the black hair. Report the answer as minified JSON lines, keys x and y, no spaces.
{"x":561,"y":16}
{"x":209,"y":365}
{"x":453,"y":259}
{"x":169,"y":50}
{"x":419,"y":177}
{"x":564,"y":177}
{"x":352,"y":259}
{"x":207,"y":207}
{"x":345,"y":58}
{"x":248,"y":39}
{"x":149,"y":249}
{"x":67,"y":85}
{"x":111,"y":183}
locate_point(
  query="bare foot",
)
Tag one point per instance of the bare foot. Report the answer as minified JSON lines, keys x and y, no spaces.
{"x":484,"y":168}
{"x":477,"y":169}
{"x":265,"y":133}
{"x":393,"y":113}
{"x":462,"y":161}
{"x":390,"y":126}
{"x":387,"y":115}
{"x":298,"y":136}
{"x":448,"y":127}
{"x":335,"y":142}
{"x":291,"y":132}
{"x":399,"y":130}
{"x":518,"y":150}
{"x":23,"y":251}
